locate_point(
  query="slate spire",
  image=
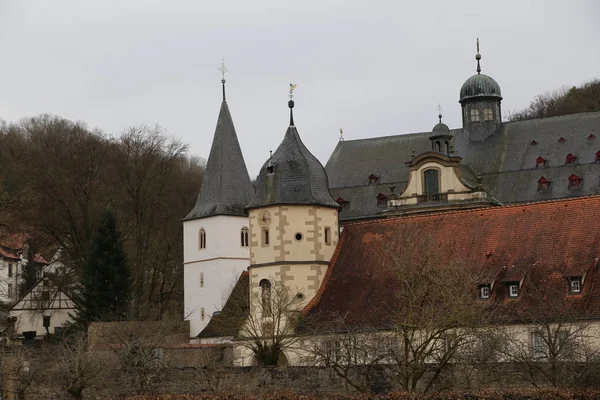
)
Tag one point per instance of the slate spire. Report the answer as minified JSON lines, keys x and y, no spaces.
{"x":226,"y":187}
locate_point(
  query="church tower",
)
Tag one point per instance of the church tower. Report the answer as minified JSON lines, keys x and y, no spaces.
{"x":293,"y":220}
{"x":215,"y":232}
{"x":480,"y":98}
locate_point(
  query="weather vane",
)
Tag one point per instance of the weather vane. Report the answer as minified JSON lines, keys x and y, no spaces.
{"x":440,"y":108}
{"x":292,"y":88}
{"x":341,"y":135}
{"x":223,"y":68}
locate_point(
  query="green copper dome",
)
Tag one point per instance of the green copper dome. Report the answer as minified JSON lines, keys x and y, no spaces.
{"x":480,"y":85}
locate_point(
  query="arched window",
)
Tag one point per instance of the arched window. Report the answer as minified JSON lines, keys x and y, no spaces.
{"x":438,"y":147}
{"x":265,"y":293}
{"x":447,"y":147}
{"x":244,"y":237}
{"x":432,"y":184}
{"x":202,"y":239}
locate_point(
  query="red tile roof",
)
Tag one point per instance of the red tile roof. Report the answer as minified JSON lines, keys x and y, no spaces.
{"x":539,"y":244}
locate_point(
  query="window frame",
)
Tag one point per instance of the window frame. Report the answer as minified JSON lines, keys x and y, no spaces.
{"x":265,"y":295}
{"x":485,"y":292}
{"x":438,"y":173}
{"x":543,"y":184}
{"x":512,"y":286}
{"x":488,"y":114}
{"x":572,"y":282}
{"x":540,"y":162}
{"x":570,"y":159}
{"x":474,"y":115}
{"x":327,"y":235}
{"x":202,"y":239}
{"x":574,"y":181}
{"x":244,"y":236}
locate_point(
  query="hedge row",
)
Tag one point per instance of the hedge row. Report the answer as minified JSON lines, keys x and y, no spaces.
{"x":541,"y":394}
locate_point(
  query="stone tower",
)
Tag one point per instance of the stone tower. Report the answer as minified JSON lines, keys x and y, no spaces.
{"x":480,"y":98}
{"x":216,"y":231}
{"x":293,"y":220}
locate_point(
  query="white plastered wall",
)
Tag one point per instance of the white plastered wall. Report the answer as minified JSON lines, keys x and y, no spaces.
{"x":221,"y":264}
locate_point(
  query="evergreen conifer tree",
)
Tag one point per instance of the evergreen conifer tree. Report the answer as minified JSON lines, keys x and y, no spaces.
{"x":106,"y":278}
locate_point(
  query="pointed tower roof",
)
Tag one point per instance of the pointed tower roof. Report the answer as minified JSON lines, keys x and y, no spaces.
{"x":226,"y":187}
{"x":292,"y":175}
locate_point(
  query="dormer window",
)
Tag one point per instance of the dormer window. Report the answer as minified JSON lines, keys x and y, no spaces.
{"x":373,"y":179}
{"x":561,"y":140}
{"x":474,"y":115}
{"x":381,"y":200}
{"x":342,"y":202}
{"x":591,"y":137}
{"x":513,"y":290}
{"x":598,"y":156}
{"x":540,"y":162}
{"x":543,"y":184}
{"x":484,"y":291}
{"x":533,"y":142}
{"x":574,"y":181}
{"x":570,"y":159}
{"x":270,"y":169}
{"x":575,"y":285}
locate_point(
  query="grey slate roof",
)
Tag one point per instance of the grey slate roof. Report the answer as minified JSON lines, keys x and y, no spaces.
{"x":235,"y":311}
{"x":226,"y":187}
{"x":297,"y":177}
{"x":505,"y":162}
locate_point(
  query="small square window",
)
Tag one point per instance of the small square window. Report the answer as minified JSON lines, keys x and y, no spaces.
{"x":484,"y":292}
{"x":575,"y":286}
{"x":513,"y":290}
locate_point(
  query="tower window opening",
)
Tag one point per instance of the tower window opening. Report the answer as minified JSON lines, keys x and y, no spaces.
{"x":438,"y":146}
{"x":265,"y":237}
{"x":447,"y":147}
{"x":298,"y":236}
{"x":202,"y":239}
{"x":488,"y":114}
{"x":244,"y":237}
{"x":202,"y":314}
{"x":475,"y":115}
{"x":265,"y":294}
{"x":327,"y":235}
{"x":201,"y":279}
{"x":270,"y":169}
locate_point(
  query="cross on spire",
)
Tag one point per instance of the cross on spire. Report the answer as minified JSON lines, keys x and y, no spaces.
{"x":223,"y":70}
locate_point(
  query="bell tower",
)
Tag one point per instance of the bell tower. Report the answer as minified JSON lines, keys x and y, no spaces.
{"x":216,"y":232}
{"x":480,"y":98}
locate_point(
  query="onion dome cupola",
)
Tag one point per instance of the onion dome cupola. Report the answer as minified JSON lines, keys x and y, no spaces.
{"x":292,"y":175}
{"x":480,"y":98}
{"x":441,"y":137}
{"x":226,"y":188}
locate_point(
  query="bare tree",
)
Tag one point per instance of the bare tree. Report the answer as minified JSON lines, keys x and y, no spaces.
{"x":434,"y":311}
{"x":268,"y":329}
{"x":351,"y":352}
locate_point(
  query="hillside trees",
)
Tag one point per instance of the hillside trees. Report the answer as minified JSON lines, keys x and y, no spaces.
{"x":57,"y":176}
{"x":585,"y":98}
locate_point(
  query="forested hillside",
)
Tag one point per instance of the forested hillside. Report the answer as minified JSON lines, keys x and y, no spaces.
{"x":57,"y":176}
{"x":585,"y":98}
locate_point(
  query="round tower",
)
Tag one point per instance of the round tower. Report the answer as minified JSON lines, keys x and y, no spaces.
{"x":441,"y":137}
{"x":480,"y":98}
{"x":293,"y":220}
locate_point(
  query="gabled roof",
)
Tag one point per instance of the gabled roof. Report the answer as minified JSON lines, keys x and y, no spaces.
{"x":57,"y":300}
{"x":226,"y":187}
{"x":539,"y":241}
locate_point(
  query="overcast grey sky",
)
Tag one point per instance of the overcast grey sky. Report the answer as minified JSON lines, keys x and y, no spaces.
{"x":373,"y":68}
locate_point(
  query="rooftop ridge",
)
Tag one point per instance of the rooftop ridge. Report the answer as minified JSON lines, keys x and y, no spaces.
{"x":565,"y":116}
{"x":474,"y":210}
